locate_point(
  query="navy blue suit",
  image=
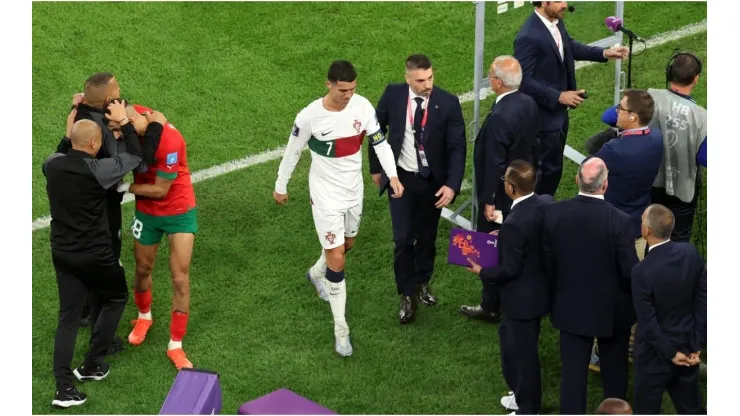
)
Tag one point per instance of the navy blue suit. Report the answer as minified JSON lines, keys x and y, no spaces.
{"x":525,"y":299}
{"x":589,"y":254}
{"x":414,"y":217}
{"x":508,"y":133}
{"x":545,"y":76}
{"x":669,"y":288}
{"x":633,"y":161}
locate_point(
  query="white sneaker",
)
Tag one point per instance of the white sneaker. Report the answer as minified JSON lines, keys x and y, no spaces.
{"x":318,"y":284}
{"x":512,"y":413}
{"x":509,"y":402}
{"x":342,"y":343}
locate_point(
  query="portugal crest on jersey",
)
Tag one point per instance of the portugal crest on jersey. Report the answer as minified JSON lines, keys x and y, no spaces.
{"x":357,"y":125}
{"x":330,"y":236}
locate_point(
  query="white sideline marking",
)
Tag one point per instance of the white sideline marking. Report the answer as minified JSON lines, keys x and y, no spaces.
{"x":245,"y":162}
{"x":657,"y":40}
{"x":200,"y":175}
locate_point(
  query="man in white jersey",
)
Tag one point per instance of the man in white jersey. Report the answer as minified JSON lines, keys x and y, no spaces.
{"x":334,"y":128}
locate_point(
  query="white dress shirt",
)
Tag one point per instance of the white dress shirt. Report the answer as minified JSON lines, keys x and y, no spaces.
{"x":520,"y":199}
{"x":555,"y":32}
{"x":407,"y":159}
{"x":592,"y":196}
{"x":661,"y":243}
{"x":498,"y":98}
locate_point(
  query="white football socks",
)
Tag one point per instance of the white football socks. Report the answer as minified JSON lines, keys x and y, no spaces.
{"x":318,"y":270}
{"x":147,"y":315}
{"x":173,"y":345}
{"x":338,"y":301}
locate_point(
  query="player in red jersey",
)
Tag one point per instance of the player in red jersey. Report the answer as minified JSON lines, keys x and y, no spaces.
{"x":165,"y":204}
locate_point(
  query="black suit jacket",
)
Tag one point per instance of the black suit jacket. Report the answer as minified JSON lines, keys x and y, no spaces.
{"x":444,"y":134}
{"x":520,"y":273}
{"x":669,"y":288}
{"x":545,"y":75}
{"x":508,"y":133}
{"x":589,"y":254}
{"x":112,"y":147}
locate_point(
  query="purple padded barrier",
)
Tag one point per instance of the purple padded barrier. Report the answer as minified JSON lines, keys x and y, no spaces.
{"x":194,"y":392}
{"x":283,"y":402}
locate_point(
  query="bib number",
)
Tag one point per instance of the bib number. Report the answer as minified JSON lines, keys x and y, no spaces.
{"x":136,"y":228}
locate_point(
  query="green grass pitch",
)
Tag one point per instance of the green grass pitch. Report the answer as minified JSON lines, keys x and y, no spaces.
{"x":231,"y":77}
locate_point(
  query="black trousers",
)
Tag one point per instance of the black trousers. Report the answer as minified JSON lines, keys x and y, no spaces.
{"x":550,"y":159}
{"x":490,"y":297}
{"x":682,"y":384}
{"x":520,"y":362}
{"x":115,"y":222}
{"x":575,"y":354}
{"x":78,"y":274}
{"x":683,"y":212}
{"x":415,"y":220}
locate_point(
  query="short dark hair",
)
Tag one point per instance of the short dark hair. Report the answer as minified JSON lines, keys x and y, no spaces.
{"x":537,"y":3}
{"x":660,"y":221}
{"x":98,"y":80}
{"x":341,"y":71}
{"x":641,"y":103}
{"x":521,"y":174}
{"x":684,"y":69}
{"x":418,"y":61}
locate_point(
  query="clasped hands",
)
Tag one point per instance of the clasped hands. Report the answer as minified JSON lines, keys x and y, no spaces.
{"x":684,"y":360}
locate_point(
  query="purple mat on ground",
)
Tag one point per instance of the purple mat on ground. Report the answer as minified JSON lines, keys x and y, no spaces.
{"x":194,"y":392}
{"x":482,"y":248}
{"x":283,"y":402}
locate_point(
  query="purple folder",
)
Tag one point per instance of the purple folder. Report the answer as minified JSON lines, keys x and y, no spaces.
{"x":283,"y":402}
{"x":194,"y":392}
{"x":482,"y":248}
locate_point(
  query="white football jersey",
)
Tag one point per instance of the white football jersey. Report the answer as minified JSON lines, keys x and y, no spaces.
{"x":335,"y":139}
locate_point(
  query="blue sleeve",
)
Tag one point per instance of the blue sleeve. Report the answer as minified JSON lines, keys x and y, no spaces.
{"x":701,"y":157}
{"x":610,"y":116}
{"x":604,"y":154}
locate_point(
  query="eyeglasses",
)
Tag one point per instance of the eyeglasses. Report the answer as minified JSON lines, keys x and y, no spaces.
{"x":620,"y":108}
{"x":503,"y":178}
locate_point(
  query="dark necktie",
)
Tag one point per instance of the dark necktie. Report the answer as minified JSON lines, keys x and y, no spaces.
{"x":418,"y":116}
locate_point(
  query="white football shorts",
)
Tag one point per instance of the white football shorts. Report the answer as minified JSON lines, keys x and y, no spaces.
{"x":332,"y":226}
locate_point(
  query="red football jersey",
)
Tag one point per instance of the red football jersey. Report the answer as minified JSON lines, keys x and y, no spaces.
{"x":171,"y":162}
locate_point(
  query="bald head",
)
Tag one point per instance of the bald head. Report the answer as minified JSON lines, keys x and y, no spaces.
{"x":592,"y":176}
{"x":659,"y":220}
{"x":84,"y":132}
{"x":614,"y":407}
{"x":507,"y":69}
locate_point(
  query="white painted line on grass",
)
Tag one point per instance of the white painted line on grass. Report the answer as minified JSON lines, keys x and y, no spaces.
{"x":200,"y":175}
{"x":245,"y":162}
{"x":657,"y":40}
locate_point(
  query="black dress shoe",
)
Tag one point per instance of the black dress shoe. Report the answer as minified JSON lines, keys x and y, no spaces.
{"x":479,"y":313}
{"x":426,"y":296}
{"x":408,"y":309}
